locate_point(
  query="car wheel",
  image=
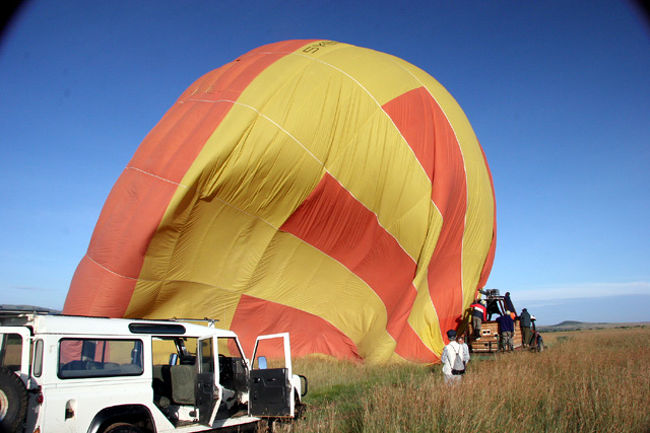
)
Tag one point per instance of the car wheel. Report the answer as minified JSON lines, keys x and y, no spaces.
{"x":123,"y":428}
{"x":13,"y":401}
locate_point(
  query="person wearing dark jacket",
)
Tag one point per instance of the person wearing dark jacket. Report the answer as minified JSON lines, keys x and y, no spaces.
{"x":506,"y":329}
{"x":526,"y":324}
{"x":508,"y":303}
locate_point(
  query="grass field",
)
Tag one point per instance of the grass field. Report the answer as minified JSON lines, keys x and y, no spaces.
{"x":589,"y":381}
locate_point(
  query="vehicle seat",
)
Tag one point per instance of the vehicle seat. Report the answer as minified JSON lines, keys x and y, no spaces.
{"x":183,"y":381}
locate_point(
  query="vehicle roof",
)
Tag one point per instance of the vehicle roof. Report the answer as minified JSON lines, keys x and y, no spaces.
{"x":81,"y":325}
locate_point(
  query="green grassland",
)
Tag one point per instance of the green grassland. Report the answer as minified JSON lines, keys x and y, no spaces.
{"x":587,"y":381}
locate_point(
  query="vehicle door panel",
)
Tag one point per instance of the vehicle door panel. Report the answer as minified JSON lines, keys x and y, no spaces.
{"x":270,"y":388}
{"x":208,"y":393}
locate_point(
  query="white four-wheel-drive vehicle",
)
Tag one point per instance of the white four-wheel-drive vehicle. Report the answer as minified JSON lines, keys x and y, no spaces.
{"x":99,"y":375}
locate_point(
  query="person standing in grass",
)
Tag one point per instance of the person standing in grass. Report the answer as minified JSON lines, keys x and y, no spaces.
{"x":453,"y":359}
{"x":506,"y":329}
{"x":525,"y":323}
{"x":461,"y":341}
{"x":501,"y":328}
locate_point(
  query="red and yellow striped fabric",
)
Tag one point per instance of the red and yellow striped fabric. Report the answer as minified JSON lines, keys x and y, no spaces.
{"x":309,"y":186}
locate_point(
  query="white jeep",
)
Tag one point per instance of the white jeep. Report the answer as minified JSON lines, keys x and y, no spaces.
{"x":98,"y":375}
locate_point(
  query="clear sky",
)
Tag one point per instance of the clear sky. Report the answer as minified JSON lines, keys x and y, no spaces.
{"x":558,"y":93}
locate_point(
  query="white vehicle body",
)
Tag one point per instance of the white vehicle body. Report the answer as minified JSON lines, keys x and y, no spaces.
{"x":100,"y":375}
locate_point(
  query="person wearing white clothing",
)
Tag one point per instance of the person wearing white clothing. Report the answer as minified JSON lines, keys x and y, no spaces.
{"x":454,"y":358}
{"x":461,"y":341}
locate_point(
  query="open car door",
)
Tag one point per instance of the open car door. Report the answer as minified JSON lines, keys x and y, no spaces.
{"x":270,"y":385}
{"x":208,"y":392}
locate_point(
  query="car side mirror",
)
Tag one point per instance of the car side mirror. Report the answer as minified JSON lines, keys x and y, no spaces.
{"x":261,"y":362}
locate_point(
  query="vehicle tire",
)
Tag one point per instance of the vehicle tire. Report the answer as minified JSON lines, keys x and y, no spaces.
{"x":13,"y":402}
{"x":122,"y":428}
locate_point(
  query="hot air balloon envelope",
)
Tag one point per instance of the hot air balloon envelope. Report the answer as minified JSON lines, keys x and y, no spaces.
{"x":331,"y":191}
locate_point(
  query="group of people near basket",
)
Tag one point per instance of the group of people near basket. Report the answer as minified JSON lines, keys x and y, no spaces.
{"x":455,"y":355}
{"x":506,"y":322}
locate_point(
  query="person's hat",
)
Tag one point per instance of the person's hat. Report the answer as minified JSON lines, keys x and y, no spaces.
{"x":451,"y":334}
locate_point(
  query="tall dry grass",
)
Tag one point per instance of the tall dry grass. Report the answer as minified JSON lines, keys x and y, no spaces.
{"x":591,"y":381}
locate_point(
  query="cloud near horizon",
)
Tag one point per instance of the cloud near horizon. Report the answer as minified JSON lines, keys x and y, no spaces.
{"x":582,"y":290}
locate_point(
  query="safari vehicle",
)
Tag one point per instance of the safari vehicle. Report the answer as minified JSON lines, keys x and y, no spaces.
{"x":99,"y":375}
{"x":489,"y":340}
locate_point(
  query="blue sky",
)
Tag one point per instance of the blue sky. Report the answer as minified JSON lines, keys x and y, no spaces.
{"x":558,"y":93}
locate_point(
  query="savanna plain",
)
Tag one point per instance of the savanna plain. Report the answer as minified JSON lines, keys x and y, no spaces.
{"x":585,"y":381}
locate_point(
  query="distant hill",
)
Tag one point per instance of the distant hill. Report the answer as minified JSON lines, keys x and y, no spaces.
{"x":574,"y":325}
{"x":570,"y":323}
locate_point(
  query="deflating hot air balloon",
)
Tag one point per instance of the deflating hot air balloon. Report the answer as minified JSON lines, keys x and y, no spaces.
{"x":331,"y":191}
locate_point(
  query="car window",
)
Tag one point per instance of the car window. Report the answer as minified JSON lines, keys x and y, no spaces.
{"x":173,"y":350}
{"x":272,"y":350}
{"x":11,"y":351}
{"x":80,"y":358}
{"x":37,"y":358}
{"x":207,"y":356}
{"x":228,"y":347}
